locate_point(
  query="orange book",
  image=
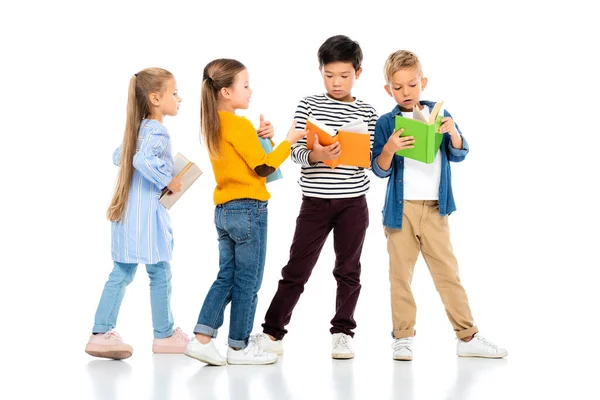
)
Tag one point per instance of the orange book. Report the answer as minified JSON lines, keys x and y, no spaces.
{"x":354,"y":138}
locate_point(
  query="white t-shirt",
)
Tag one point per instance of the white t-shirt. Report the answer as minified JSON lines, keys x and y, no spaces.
{"x":422,"y":181}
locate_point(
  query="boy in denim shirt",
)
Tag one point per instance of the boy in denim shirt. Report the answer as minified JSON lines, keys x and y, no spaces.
{"x":415,"y":214}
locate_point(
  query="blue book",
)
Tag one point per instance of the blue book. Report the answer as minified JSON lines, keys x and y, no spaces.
{"x":266,"y":144}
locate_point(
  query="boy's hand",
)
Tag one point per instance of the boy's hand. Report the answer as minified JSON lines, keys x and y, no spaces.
{"x":322,"y":153}
{"x":175,"y":185}
{"x":395,"y":142}
{"x":265,"y":130}
{"x":448,"y":126}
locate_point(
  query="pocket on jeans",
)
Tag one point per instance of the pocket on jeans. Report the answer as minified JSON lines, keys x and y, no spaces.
{"x":238,"y":223}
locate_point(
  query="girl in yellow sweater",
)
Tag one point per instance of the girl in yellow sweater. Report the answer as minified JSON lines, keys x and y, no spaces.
{"x":240,"y":166}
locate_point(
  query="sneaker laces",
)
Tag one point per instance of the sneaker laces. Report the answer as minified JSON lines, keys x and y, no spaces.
{"x":341,"y":340}
{"x":254,"y":347}
{"x":112,"y":334}
{"x":178,"y":333}
{"x":402,"y":342}
{"x":486,"y":342}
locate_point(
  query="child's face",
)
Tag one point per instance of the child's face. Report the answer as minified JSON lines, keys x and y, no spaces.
{"x":405,"y":87}
{"x":338,"y":78}
{"x":167,"y":101}
{"x":240,"y":92}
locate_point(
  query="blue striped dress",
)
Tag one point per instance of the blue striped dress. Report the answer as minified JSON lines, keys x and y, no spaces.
{"x":144,"y":234}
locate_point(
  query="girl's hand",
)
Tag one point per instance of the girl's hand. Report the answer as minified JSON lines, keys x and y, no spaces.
{"x":265,"y":130}
{"x":175,"y":185}
{"x":395,"y":142}
{"x":294,"y":135}
{"x":448,"y":126}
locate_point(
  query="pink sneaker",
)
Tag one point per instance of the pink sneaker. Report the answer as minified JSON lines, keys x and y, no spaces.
{"x":174,"y":344}
{"x":108,"y":345}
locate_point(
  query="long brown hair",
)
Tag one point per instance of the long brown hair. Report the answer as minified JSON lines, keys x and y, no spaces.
{"x":217,"y":74}
{"x":149,"y":80}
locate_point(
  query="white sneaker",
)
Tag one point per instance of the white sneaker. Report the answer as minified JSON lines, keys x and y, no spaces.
{"x":342,"y":346}
{"x":403,"y":349}
{"x":268,"y":344}
{"x":207,"y":353}
{"x":250,"y":355}
{"x":479,"y":347}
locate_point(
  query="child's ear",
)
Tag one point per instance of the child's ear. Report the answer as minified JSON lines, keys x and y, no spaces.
{"x":358,"y":73}
{"x":225,"y":93}
{"x":154,"y":99}
{"x":423,"y":83}
{"x":388,"y":90}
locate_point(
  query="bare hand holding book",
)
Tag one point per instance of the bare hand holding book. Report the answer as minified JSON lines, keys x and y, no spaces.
{"x":185,"y":170}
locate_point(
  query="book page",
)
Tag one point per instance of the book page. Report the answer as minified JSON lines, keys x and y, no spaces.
{"x":356,"y":126}
{"x":187,"y":179}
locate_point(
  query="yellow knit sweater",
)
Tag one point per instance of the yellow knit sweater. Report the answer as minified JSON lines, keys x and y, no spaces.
{"x":240,"y":153}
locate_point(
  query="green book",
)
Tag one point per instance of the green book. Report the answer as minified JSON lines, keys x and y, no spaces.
{"x":425,"y":131}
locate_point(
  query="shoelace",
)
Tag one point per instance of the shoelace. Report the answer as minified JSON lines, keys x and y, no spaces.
{"x":112,"y":334}
{"x":179,"y":334}
{"x":486,"y":342}
{"x":400,"y":343}
{"x":341,"y":341}
{"x":254,"y":347}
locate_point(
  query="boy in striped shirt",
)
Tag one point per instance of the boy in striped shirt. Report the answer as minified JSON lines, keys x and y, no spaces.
{"x":332,"y":199}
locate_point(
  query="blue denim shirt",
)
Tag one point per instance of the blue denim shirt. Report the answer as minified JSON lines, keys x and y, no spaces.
{"x":394,"y":197}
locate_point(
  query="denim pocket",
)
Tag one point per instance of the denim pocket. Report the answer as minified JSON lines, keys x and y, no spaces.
{"x":238,"y":223}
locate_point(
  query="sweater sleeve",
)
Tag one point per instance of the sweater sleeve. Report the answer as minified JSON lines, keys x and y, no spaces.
{"x":245,"y":141}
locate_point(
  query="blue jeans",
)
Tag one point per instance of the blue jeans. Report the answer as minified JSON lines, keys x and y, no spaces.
{"x":242,"y":229}
{"x":160,"y":297}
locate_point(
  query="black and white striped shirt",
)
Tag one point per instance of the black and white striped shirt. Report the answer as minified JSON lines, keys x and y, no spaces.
{"x":319,"y":180}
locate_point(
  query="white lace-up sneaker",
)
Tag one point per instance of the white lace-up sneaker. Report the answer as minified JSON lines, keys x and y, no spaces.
{"x":250,"y":355}
{"x":269,"y":345}
{"x":403,"y":349}
{"x":341,"y":346}
{"x":206,"y":353}
{"x":479,"y":347}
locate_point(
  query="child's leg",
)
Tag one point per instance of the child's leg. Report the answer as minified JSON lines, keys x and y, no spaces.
{"x":352,"y":220}
{"x":439,"y":256}
{"x":112,"y":296}
{"x":312,"y":228}
{"x":219,"y":294}
{"x":160,"y":298}
{"x":403,"y":248}
{"x":250,"y":253}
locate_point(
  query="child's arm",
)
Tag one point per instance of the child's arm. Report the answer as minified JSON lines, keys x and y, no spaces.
{"x":299,"y":150}
{"x":382,"y":133}
{"x":117,"y":156}
{"x":147,"y":160}
{"x":372,"y":123}
{"x":457,"y":148}
{"x":245,"y":142}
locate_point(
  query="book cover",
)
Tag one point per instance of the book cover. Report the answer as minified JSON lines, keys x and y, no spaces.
{"x":426,"y":134}
{"x":185,"y":170}
{"x":354,"y":139}
{"x":268,"y":147}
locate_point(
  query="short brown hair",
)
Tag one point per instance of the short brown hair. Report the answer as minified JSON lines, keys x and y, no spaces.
{"x":401,"y":59}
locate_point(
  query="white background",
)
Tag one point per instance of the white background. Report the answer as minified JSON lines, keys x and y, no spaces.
{"x":520,"y":81}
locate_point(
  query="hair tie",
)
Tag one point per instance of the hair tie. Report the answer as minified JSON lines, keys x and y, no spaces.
{"x":135,"y":75}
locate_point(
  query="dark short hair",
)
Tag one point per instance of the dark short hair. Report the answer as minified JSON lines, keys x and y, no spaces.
{"x":340,"y":48}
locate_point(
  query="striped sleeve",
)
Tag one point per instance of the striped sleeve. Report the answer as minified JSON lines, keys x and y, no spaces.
{"x":148,"y":159}
{"x":299,"y":151}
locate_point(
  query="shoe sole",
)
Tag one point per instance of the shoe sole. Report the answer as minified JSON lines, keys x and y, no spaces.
{"x":121,"y":354}
{"x":206,"y":360}
{"x":266,"y":362}
{"x":473,"y":355}
{"x":168,"y":350}
{"x":342,"y":356}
